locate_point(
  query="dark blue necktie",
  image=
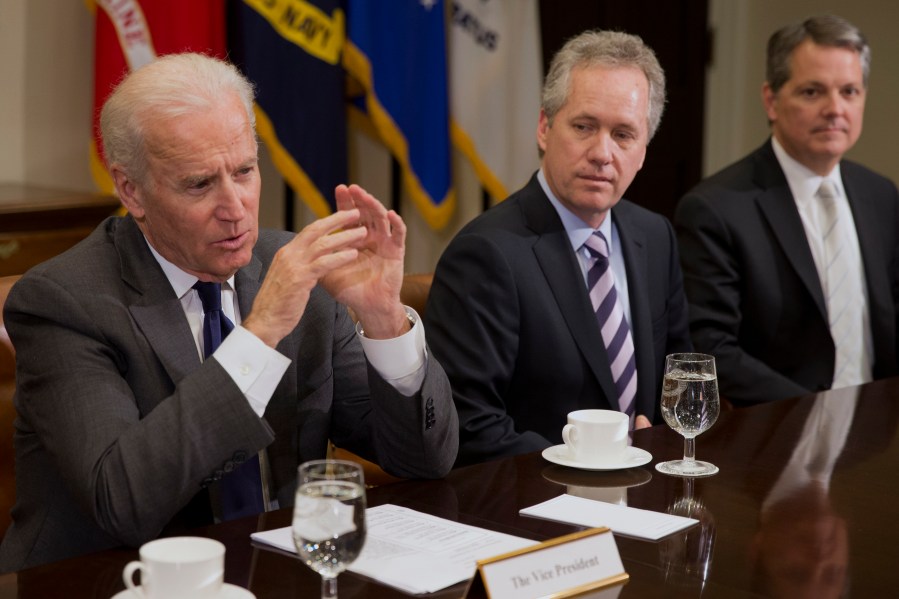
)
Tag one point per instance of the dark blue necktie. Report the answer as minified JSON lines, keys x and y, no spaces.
{"x":241,"y":489}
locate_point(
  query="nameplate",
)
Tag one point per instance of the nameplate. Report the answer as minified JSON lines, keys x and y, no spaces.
{"x":561,"y":567}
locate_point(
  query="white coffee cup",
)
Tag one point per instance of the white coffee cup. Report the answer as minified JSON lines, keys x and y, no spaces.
{"x":178,"y":568}
{"x":596,"y":436}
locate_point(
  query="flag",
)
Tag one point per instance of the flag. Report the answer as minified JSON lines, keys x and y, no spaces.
{"x":396,"y":51}
{"x":291,"y":50}
{"x":131,"y":33}
{"x":496,"y":77}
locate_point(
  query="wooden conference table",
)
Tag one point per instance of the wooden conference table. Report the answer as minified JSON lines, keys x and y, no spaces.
{"x":762,"y":534}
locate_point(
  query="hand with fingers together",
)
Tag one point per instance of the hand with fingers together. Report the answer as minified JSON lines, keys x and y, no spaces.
{"x":370,"y":284}
{"x":355,"y":253}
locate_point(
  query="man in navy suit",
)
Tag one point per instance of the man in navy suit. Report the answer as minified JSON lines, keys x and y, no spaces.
{"x":509,"y":314}
{"x":758,"y":268}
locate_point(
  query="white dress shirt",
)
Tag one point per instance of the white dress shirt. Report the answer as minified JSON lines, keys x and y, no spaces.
{"x":257,"y":368}
{"x":578,"y":232}
{"x":804,"y":184}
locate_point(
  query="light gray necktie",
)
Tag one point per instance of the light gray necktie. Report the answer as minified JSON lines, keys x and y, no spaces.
{"x":844,"y":310}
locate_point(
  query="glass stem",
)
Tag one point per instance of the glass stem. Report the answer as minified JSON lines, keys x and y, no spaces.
{"x":689,"y":449}
{"x":688,"y":489}
{"x":329,"y":587}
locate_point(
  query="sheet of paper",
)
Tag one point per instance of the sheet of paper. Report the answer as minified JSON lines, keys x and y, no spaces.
{"x":624,"y":520}
{"x":415,"y":552}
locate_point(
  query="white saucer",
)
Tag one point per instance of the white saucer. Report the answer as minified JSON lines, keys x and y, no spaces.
{"x":229,"y":591}
{"x":633,"y":457}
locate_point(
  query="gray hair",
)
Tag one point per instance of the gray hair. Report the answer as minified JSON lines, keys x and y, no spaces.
{"x":604,"y":48}
{"x":824,"y":30}
{"x":170,"y":86}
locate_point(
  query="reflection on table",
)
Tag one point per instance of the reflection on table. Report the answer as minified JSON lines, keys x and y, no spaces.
{"x":765,"y":530}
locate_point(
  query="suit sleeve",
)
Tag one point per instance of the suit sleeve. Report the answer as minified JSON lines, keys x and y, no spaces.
{"x":408,"y":436}
{"x":712,"y":281}
{"x":129,"y":465}
{"x":472,"y":322}
{"x":678,"y":329}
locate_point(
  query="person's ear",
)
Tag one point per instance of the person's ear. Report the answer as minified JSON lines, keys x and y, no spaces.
{"x":128,"y":191}
{"x":543,"y":126}
{"x":769,"y":101}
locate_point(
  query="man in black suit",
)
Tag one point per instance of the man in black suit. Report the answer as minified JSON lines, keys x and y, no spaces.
{"x":509,"y":315}
{"x":759,"y":269}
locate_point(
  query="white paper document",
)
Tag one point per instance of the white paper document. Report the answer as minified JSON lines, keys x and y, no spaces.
{"x":628,"y":521}
{"x":415,"y":552}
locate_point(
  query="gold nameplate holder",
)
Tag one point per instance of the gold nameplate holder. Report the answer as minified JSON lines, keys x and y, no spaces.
{"x":562,"y":567}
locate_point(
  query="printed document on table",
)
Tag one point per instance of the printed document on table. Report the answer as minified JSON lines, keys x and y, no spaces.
{"x":415,"y":552}
{"x":624,"y":520}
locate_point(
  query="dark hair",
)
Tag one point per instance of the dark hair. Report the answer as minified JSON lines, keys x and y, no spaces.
{"x":824,"y":30}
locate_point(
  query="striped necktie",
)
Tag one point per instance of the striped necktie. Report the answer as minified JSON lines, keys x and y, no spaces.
{"x":616,"y":333}
{"x":241,"y":488}
{"x":844,"y":300}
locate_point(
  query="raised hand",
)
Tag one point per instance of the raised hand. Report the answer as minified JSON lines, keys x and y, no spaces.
{"x":356,"y":254}
{"x":318,"y":249}
{"x":370,"y":284}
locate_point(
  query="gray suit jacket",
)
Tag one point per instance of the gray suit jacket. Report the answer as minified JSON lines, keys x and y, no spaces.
{"x":121,"y":427}
{"x":510,"y":319}
{"x":755,"y":298}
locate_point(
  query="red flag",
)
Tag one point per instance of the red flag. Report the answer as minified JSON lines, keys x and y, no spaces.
{"x":131,"y":33}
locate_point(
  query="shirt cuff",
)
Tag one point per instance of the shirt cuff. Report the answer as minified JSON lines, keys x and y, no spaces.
{"x":255,"y":367}
{"x":400,"y":361}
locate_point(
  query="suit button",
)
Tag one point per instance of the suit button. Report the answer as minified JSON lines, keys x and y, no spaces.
{"x":229,"y":466}
{"x":217,"y":475}
{"x":239,"y":457}
{"x":430,"y":402}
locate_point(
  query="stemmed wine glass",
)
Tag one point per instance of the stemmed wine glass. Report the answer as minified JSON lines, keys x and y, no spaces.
{"x":690,"y":406}
{"x":329,"y":518}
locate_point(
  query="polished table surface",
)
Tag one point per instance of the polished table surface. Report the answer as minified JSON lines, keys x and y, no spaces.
{"x":767,"y":529}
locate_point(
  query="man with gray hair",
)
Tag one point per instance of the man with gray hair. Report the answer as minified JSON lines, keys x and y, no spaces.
{"x":791,"y":255}
{"x":565,"y":296}
{"x":179,"y":364}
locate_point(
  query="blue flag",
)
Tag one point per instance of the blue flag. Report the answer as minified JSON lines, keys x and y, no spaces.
{"x":291,"y":50}
{"x":396,"y":51}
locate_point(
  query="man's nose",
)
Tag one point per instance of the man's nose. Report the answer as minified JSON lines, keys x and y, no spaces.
{"x":231,"y":205}
{"x":600,"y":150}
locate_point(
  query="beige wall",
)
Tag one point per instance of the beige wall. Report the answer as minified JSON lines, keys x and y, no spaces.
{"x":12,"y":91}
{"x":45,"y":102}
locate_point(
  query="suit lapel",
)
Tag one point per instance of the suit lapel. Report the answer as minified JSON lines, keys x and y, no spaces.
{"x":563,"y":275}
{"x":155,"y":309}
{"x":633,"y":246}
{"x":777,"y":205}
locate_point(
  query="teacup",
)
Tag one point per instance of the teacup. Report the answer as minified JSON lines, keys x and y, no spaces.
{"x":178,"y":568}
{"x":596,"y":436}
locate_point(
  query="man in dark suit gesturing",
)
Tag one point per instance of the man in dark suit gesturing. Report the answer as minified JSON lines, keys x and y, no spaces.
{"x":791,"y":255}
{"x":564,"y":296}
{"x":125,"y":431}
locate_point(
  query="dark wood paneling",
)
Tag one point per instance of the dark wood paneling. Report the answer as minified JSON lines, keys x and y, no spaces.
{"x":38,"y":223}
